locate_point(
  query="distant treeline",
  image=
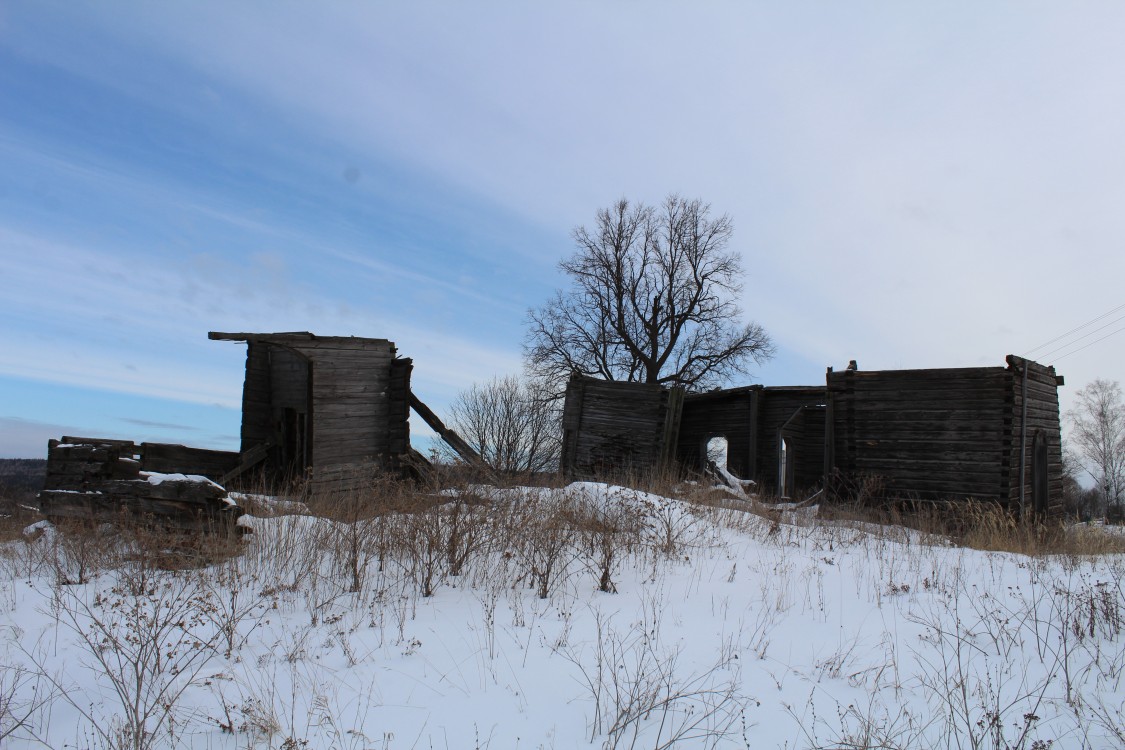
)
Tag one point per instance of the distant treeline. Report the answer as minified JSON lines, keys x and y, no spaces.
{"x":21,"y":478}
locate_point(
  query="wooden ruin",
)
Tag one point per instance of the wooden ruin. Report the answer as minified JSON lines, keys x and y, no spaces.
{"x":990,"y":433}
{"x":987,"y":433}
{"x":97,"y":480}
{"x":762,"y":425}
{"x":613,"y":429}
{"x":327,"y":412}
{"x":327,"y":408}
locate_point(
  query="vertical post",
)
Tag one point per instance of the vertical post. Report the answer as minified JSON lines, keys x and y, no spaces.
{"x":1023,"y":443}
{"x":829,"y":431}
{"x":674,"y":400}
{"x":752,"y":465}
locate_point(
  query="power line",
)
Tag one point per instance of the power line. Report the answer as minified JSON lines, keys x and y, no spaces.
{"x":1078,"y":328}
{"x":1083,"y":336}
{"x":1103,"y":338}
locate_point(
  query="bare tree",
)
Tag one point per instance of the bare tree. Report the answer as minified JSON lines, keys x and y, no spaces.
{"x":512,"y":423}
{"x":652,"y":300}
{"x":1097,"y":430}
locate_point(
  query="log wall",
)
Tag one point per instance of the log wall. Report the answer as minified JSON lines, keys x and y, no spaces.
{"x":727,"y":413}
{"x":398,"y":418}
{"x":1041,"y":416}
{"x":98,"y":480}
{"x":330,"y":406}
{"x":257,"y":403}
{"x":793,"y":408}
{"x":944,"y":434}
{"x":615,"y":429}
{"x":926,"y":434}
{"x":935,"y":435}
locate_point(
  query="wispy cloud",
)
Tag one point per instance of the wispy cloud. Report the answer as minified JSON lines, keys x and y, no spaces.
{"x":161,"y":425}
{"x":911,"y":186}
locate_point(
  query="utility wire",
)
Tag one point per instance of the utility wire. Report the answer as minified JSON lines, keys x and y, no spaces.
{"x":1103,"y":338}
{"x":1075,"y":330}
{"x":1083,"y":336}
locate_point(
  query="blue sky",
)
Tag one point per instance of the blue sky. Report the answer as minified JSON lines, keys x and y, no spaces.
{"x":911,"y":186}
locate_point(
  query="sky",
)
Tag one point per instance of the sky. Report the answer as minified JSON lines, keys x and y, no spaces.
{"x":911,"y":185}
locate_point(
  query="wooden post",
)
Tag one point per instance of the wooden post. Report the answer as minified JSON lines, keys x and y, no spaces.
{"x":752,"y":466}
{"x":829,"y":431}
{"x":670,"y":441}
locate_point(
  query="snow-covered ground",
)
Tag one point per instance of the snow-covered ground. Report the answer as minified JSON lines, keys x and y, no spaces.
{"x":718,"y":628}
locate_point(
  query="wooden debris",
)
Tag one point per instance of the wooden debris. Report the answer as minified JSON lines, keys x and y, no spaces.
{"x":108,"y":481}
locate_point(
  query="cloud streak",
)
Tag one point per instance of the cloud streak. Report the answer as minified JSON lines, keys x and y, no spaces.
{"x":910,"y":186}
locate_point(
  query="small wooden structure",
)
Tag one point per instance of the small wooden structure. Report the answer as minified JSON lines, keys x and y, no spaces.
{"x":330,"y":408}
{"x":332,"y":411}
{"x":100,"y":480}
{"x":614,"y":429}
{"x":987,"y":433}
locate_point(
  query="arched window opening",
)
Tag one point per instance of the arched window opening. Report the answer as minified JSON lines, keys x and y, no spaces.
{"x":716,"y":451}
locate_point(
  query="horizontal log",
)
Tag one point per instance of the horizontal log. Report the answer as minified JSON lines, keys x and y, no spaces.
{"x":939,"y":374}
{"x":337,"y":390}
{"x":328,"y":381}
{"x":372,"y":409}
{"x":123,"y":444}
{"x":948,"y":436}
{"x":927,"y":401}
{"x":70,"y":452}
{"x":168,"y":489}
{"x":359,"y":360}
{"x":346,"y":453}
{"x":113,"y":508}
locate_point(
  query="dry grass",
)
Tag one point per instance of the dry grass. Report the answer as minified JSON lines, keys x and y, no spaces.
{"x":14,"y":519}
{"x":365,"y":558}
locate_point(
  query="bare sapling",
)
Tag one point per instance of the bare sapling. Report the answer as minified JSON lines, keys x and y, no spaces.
{"x":548,"y":543}
{"x":423,"y":543}
{"x":23,"y":695}
{"x":148,"y":636}
{"x":609,"y":528}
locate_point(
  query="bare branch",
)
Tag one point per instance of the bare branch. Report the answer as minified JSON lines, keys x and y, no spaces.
{"x":652,"y":299}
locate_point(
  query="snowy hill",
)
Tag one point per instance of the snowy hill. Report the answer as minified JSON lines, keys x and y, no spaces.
{"x":588,"y":616}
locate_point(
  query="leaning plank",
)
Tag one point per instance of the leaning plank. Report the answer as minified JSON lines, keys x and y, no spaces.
{"x":250,"y":459}
{"x":451,"y":438}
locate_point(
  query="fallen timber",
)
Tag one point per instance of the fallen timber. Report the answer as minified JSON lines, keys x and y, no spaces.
{"x":97,"y":480}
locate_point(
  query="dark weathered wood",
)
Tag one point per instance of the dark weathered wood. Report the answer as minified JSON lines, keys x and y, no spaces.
{"x":944,"y":433}
{"x":178,"y":459}
{"x":617,"y":428}
{"x":247,"y":460}
{"x":104,"y":486}
{"x":322,"y":400}
{"x":451,"y":438}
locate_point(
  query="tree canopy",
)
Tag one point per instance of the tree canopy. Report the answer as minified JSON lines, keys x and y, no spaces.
{"x":652,"y":299}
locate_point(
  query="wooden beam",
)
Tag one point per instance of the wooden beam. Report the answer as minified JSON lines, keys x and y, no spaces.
{"x":752,"y":462}
{"x":250,"y":459}
{"x":220,"y":336}
{"x":451,"y":438}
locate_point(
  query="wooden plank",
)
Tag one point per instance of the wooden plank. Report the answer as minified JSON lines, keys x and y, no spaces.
{"x":124,"y":445}
{"x":451,"y":438}
{"x":247,"y":460}
{"x":168,"y":458}
{"x":671,"y":431}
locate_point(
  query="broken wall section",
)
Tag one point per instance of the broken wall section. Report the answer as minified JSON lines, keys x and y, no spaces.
{"x":758,"y":422}
{"x":331,"y":409}
{"x":619,"y":429}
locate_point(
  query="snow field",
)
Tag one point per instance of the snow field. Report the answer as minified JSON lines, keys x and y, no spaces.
{"x":585,"y":616}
